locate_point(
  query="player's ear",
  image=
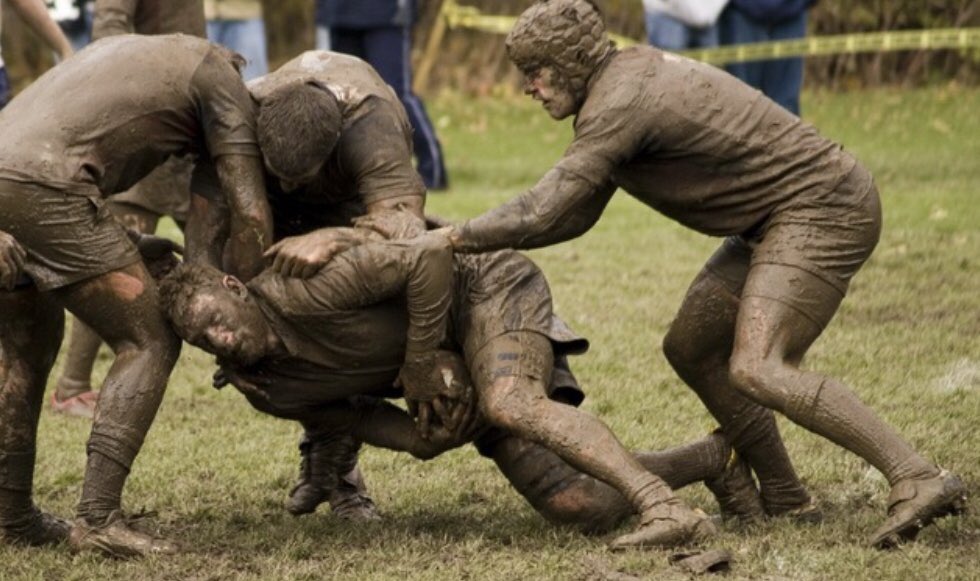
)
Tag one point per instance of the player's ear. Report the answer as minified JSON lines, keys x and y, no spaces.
{"x":234,"y":285}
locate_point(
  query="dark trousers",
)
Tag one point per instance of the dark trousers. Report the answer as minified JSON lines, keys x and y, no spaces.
{"x":778,"y":79}
{"x":388,"y":49}
{"x":4,"y":87}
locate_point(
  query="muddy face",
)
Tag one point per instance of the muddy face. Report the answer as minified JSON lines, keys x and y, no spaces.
{"x":545,"y":84}
{"x":226,"y":322}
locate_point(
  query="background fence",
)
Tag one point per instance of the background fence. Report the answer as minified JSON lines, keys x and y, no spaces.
{"x":474,"y":61}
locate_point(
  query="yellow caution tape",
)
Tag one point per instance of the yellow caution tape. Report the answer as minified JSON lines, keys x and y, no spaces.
{"x":468,"y":17}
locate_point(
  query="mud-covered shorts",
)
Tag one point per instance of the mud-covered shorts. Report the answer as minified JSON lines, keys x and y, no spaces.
{"x":68,"y":237}
{"x":829,"y":237}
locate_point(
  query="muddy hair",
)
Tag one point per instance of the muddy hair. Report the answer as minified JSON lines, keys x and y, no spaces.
{"x":178,"y":288}
{"x":298,"y":127}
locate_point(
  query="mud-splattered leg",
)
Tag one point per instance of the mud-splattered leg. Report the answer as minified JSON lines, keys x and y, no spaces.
{"x":121,"y":306}
{"x":83,"y":344}
{"x":698,"y":347}
{"x":30,"y":333}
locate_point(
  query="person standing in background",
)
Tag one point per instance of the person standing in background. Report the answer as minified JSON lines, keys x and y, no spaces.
{"x":682,"y":24}
{"x":380,"y":32}
{"x":34,"y":13}
{"x":745,"y":21}
{"x":238,"y":25}
{"x":75,"y":19}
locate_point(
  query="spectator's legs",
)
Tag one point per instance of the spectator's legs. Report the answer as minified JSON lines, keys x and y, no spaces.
{"x":389,"y":50}
{"x":782,"y":79}
{"x":737,"y":28}
{"x":4,"y":87}
{"x":666,"y":32}
{"x":247,"y":38}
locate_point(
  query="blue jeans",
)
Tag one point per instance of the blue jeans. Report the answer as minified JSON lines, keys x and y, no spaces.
{"x":779,"y":79}
{"x":247,"y":38}
{"x":388,"y":49}
{"x":4,"y":87}
{"x":668,"y":33}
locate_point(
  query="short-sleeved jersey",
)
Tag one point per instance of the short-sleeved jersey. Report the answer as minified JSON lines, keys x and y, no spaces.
{"x":694,"y":143}
{"x":114,"y":17}
{"x":135,"y":101}
{"x":372,"y":160}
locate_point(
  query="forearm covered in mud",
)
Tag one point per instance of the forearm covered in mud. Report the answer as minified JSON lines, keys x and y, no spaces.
{"x":560,"y":207}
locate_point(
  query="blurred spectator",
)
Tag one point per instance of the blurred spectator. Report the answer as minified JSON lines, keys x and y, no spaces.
{"x":75,"y":19}
{"x":380,"y":32}
{"x":35,"y":14}
{"x":682,"y":24}
{"x":745,"y":21}
{"x":238,"y":25}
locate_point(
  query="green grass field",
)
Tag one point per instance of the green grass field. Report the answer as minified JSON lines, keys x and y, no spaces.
{"x":907,"y":339}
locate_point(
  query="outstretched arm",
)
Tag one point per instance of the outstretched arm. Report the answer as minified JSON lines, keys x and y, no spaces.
{"x":35,"y":14}
{"x":559,"y":208}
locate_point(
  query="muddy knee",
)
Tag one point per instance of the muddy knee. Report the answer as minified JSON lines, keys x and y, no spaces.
{"x":755,"y":378}
{"x":505,"y":404}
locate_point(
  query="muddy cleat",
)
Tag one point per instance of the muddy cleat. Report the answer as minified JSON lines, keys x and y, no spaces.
{"x":667,"y":525}
{"x":80,"y":406}
{"x":701,"y":562}
{"x":736,"y":492}
{"x":806,"y":513}
{"x":117,"y":538}
{"x":305,"y":497}
{"x":915,"y":503}
{"x":350,"y":501}
{"x":39,"y":528}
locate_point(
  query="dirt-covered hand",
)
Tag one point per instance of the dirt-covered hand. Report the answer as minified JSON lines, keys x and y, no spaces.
{"x":303,"y":256}
{"x":437,"y":387}
{"x":159,"y":253}
{"x":250,"y":382}
{"x":12,"y":256}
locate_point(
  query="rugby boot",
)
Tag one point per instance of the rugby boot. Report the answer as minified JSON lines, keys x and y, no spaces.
{"x":324,"y":458}
{"x":736,"y":492}
{"x":915,"y":503}
{"x":117,"y":538}
{"x":35,"y":529}
{"x":350,"y":501}
{"x":668,"y":525}
{"x":795,"y":504}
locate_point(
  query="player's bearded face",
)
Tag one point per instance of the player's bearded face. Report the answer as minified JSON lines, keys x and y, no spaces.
{"x":227,"y":323}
